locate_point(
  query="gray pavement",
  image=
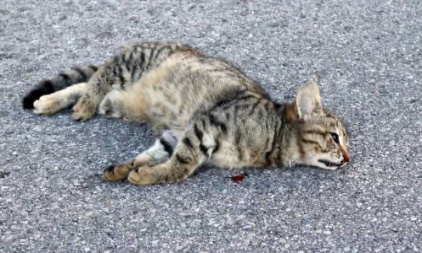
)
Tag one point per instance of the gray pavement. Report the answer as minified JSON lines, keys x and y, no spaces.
{"x":368,"y":55}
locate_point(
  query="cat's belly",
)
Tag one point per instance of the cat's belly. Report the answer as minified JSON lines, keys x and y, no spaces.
{"x":180,"y":88}
{"x":174,"y":99}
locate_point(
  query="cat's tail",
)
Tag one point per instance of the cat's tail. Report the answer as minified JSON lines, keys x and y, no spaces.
{"x":58,"y":82}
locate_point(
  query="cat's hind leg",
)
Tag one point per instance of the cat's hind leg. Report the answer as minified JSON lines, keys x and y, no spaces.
{"x":124,"y":104}
{"x":52,"y":103}
{"x":87,"y":104}
{"x":156,"y":154}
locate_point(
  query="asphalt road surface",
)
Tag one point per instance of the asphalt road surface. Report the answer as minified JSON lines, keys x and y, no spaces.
{"x":368,"y":55}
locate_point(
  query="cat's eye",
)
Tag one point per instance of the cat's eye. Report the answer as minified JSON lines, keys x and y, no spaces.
{"x":335,"y":138}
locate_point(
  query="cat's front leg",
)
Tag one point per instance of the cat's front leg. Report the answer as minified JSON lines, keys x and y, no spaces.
{"x":158,"y":153}
{"x":184,"y":161}
{"x":120,"y":172}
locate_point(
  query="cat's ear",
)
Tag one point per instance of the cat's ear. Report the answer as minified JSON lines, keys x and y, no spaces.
{"x":308,"y":101}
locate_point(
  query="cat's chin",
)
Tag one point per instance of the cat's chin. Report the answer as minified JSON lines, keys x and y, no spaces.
{"x":329,"y":164}
{"x":323,"y":166}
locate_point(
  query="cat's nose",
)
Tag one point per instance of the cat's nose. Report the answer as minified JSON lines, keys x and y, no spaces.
{"x":346,"y":157}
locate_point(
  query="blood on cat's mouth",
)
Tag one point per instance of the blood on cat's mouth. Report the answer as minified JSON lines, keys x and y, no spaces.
{"x":330,"y":164}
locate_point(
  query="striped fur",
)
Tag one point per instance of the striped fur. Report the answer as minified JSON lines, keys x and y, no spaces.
{"x":207,"y":112}
{"x":63,"y":80}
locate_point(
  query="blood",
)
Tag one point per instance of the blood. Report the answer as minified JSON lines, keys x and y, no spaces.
{"x":239,"y":178}
{"x":346,"y":158}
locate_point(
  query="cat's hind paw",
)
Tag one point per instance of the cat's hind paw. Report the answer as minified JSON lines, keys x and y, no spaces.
{"x":83,"y":110}
{"x":48,"y":104}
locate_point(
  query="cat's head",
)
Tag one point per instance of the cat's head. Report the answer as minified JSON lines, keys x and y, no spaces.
{"x":321,"y":139}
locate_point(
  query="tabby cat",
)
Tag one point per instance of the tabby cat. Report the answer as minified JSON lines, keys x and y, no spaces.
{"x":205,"y":110}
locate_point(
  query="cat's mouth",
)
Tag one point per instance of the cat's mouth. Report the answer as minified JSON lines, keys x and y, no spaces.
{"x":330,"y":164}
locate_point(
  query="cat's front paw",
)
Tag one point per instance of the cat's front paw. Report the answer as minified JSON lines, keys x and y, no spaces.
{"x":142,"y":176}
{"x":118,"y":172}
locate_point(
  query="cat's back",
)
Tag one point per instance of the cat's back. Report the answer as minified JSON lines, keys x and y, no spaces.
{"x":188,"y":83}
{"x":193,"y":69}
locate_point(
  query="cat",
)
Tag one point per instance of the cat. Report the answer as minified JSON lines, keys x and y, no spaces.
{"x":205,"y":111}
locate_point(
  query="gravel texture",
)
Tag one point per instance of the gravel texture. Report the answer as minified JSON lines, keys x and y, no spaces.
{"x":368,"y":55}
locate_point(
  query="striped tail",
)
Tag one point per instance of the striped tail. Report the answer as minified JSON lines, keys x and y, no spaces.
{"x":59,"y":82}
